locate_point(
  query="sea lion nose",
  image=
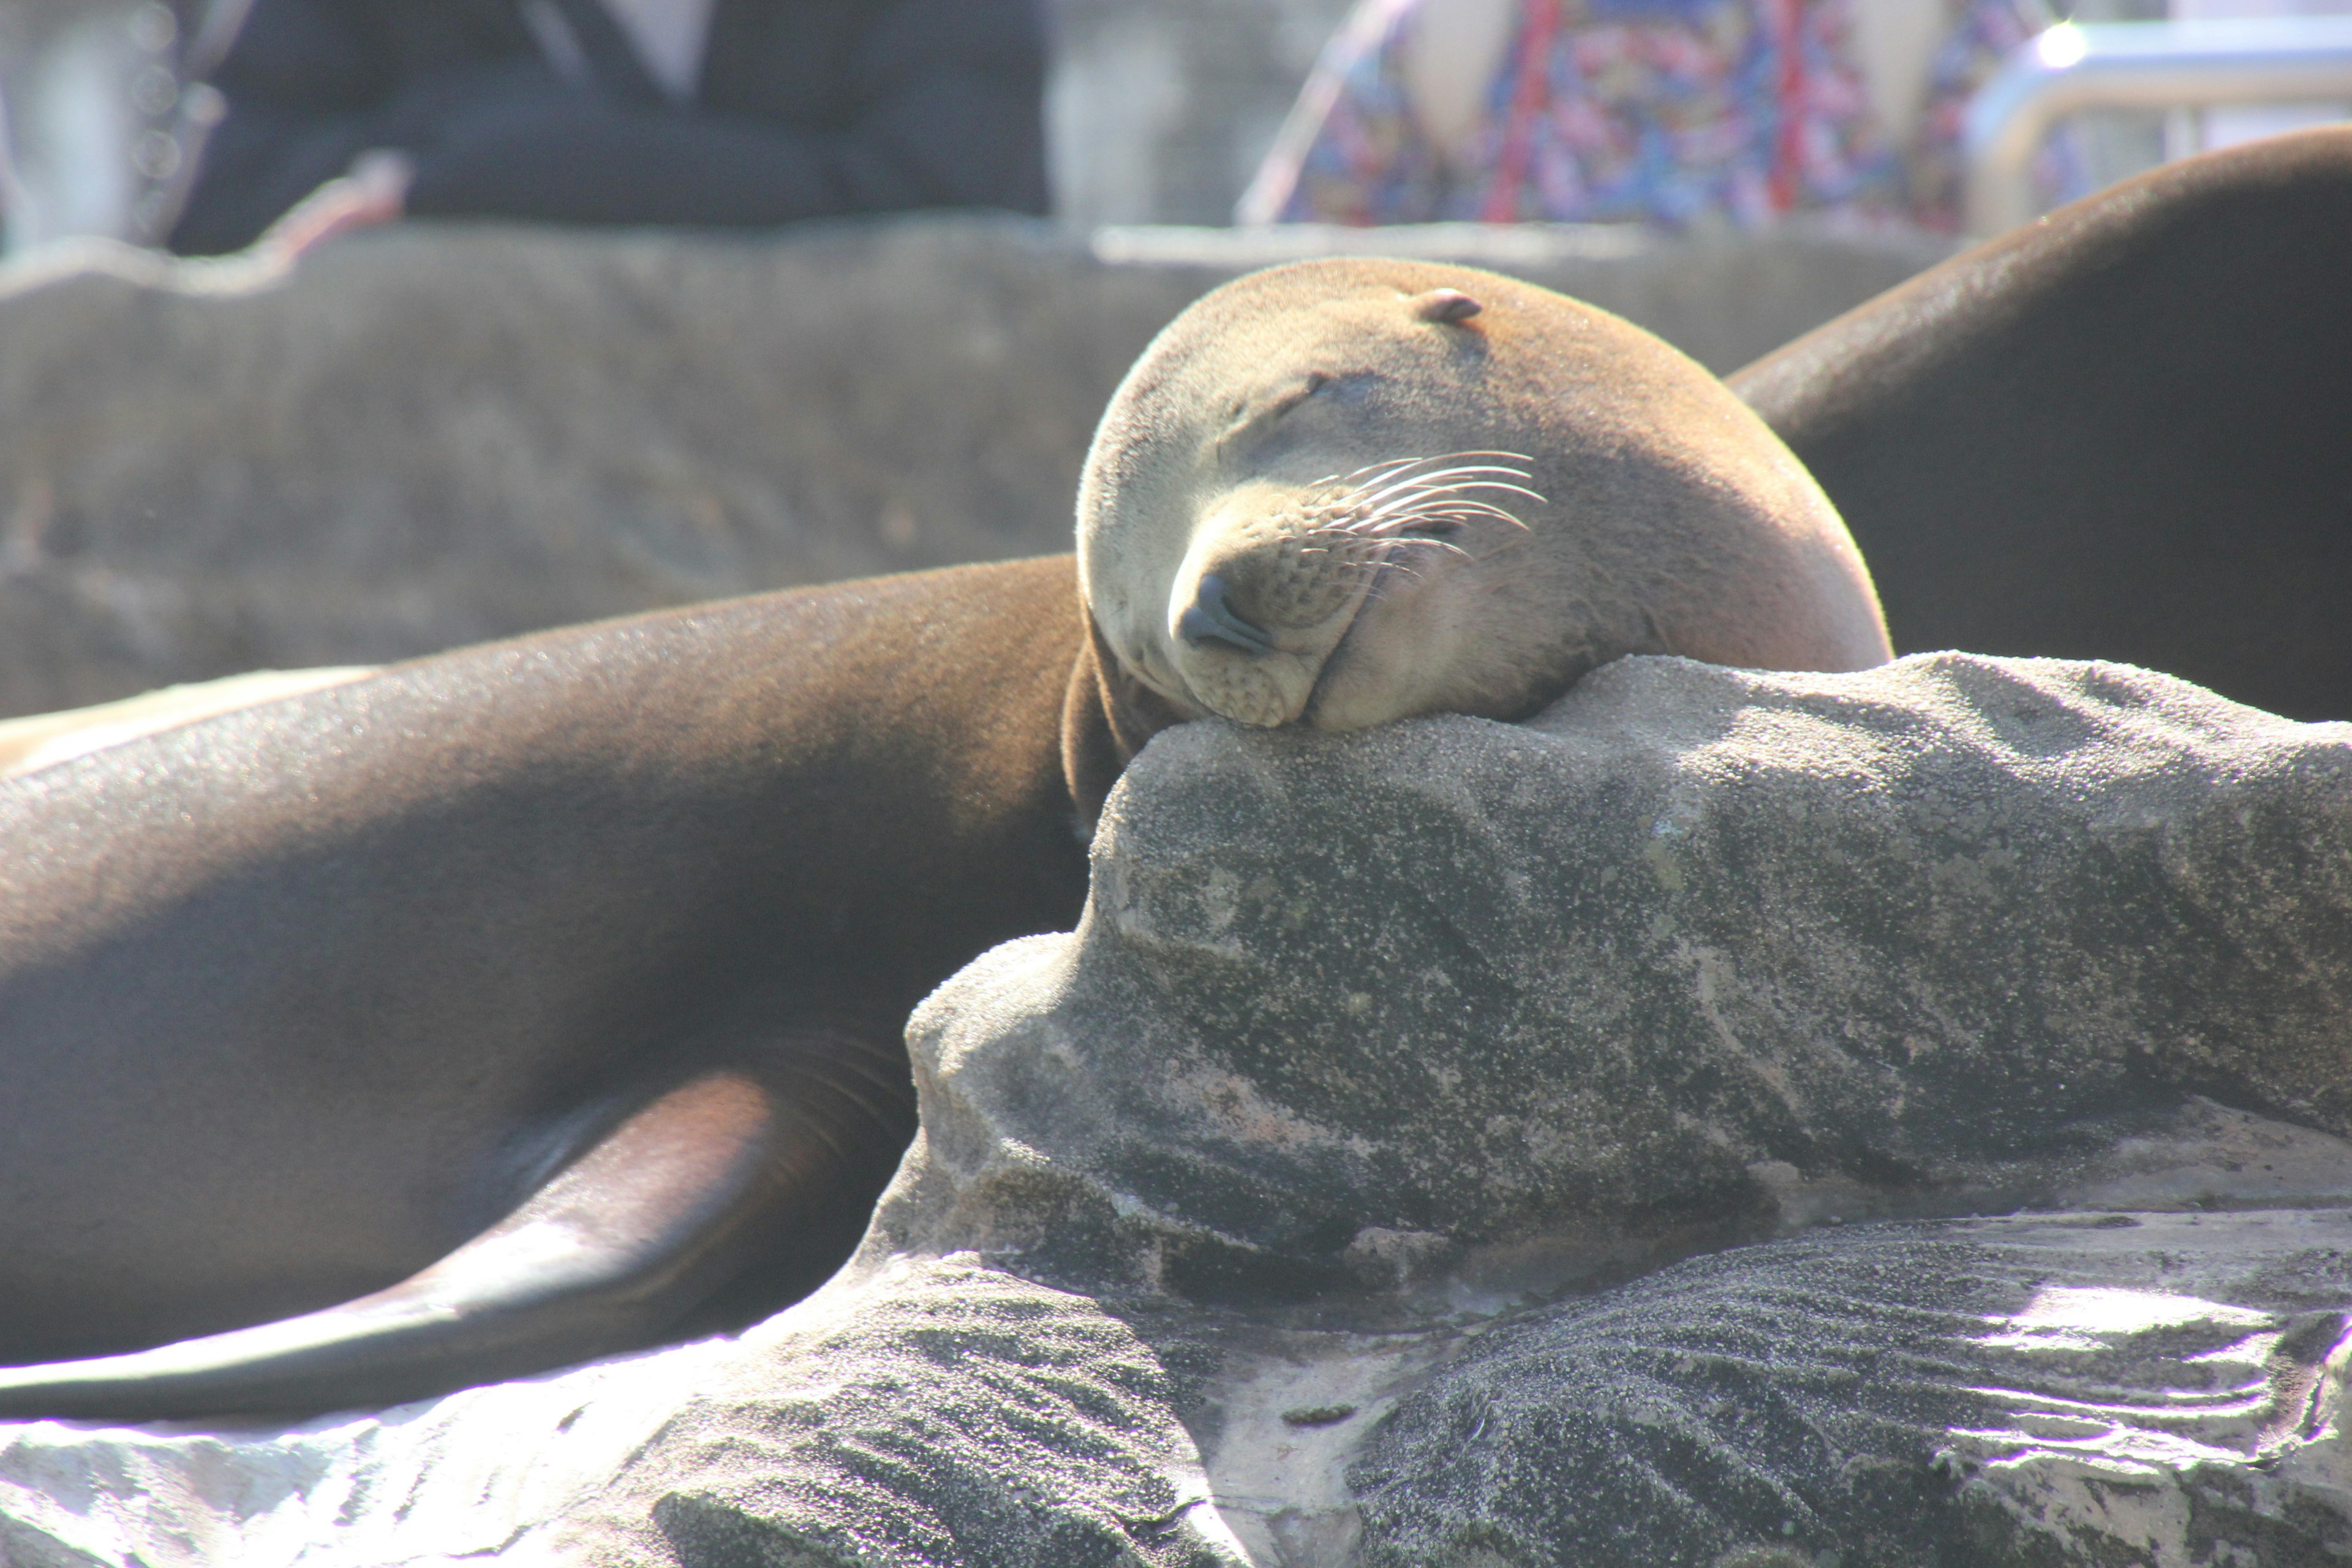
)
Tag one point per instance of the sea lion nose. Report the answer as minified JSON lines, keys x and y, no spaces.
{"x":1211,"y":618}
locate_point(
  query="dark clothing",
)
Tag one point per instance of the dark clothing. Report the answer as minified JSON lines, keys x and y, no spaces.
{"x":805,"y":109}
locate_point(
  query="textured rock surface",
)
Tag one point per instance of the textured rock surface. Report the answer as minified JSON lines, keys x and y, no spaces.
{"x":428,"y":436}
{"x":1466,"y":1145}
{"x":2155,"y":1389}
{"x":1696,"y":954}
{"x":2113,"y":1389}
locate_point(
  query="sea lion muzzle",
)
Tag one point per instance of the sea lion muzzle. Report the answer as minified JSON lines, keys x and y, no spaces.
{"x":1279,"y":577}
{"x":1209,"y":618}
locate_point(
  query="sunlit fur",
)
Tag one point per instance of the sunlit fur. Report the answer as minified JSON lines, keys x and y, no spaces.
{"x":1420,"y":515}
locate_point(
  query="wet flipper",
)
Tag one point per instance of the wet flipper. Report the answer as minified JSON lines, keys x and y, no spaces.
{"x":681,"y":1197}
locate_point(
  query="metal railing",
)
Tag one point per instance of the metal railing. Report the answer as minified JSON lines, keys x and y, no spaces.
{"x":2138,"y":65}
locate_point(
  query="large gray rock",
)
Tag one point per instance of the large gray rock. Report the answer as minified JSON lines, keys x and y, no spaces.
{"x":1696,"y":956}
{"x":429,"y":437}
{"x":1599,"y":1140}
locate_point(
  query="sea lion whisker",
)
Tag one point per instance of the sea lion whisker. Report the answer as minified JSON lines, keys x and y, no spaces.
{"x":1449,"y":479}
{"x":1425,"y":541}
{"x":1464,"y":496}
{"x":1520,"y":457}
{"x":1442,"y":482}
{"x":1357,"y":527}
{"x":1413,"y":528}
{"x":1412,"y":493}
{"x":1464,"y":507}
{"x":1401,"y":524}
{"x":1467,"y":492}
{"x":1370,"y":472}
{"x":1509,"y":478}
{"x":1403,"y":489}
{"x":1447,"y":508}
{"x":1376,"y":484}
{"x":1433,"y":473}
{"x":1377,"y":516}
{"x":1505,"y":486}
{"x":1369,"y":490}
{"x":1400,"y":470}
{"x":1464,"y":513}
{"x":1375,"y":544}
{"x":1512,"y":469}
{"x":1426,"y":470}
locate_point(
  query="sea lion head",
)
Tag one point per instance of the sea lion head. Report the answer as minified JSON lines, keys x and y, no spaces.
{"x":1349,"y":490}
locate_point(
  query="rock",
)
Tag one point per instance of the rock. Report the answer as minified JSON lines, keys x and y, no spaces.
{"x":1696,"y":957}
{"x":1464,"y":1144}
{"x":432,"y":436}
{"x":2078,"y":1389}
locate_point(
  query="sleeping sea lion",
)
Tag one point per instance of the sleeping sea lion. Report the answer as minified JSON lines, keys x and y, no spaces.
{"x":526,"y":1003}
{"x":1316,"y":500}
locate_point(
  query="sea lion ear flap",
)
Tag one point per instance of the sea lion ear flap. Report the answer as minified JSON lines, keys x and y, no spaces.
{"x":1447,"y":307}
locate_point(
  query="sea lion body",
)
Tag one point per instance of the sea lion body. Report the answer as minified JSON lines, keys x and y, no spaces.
{"x":2121,"y":432}
{"x":296,"y":999}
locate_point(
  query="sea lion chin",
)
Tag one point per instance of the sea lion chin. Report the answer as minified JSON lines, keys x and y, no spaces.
{"x":1348,"y":490}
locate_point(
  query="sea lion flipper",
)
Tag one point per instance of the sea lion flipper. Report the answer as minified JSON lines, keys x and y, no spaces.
{"x":638,"y":1229}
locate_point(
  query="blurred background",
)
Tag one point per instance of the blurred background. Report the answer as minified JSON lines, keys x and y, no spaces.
{"x":427,"y":434}
{"x":1157,"y":111}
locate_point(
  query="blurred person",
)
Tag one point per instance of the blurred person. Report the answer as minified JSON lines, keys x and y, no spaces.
{"x":1671,"y":113}
{"x":702,"y":112}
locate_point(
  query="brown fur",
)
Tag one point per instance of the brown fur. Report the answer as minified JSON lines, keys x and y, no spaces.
{"x":296,"y":999}
{"x":2120,"y":432}
{"x":1671,"y":518}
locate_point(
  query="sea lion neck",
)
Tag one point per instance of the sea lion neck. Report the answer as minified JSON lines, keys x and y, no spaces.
{"x":1106,"y":717}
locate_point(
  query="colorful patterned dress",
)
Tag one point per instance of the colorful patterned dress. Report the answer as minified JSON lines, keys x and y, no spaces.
{"x":1654,"y":111}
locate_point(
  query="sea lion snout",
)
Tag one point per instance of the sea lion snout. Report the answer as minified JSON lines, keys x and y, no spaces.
{"x":1279,"y":575}
{"x":1258,"y":606}
{"x":1209,"y":618}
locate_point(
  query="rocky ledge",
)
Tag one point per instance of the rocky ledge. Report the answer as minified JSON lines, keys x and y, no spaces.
{"x":1736,"y":1119}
